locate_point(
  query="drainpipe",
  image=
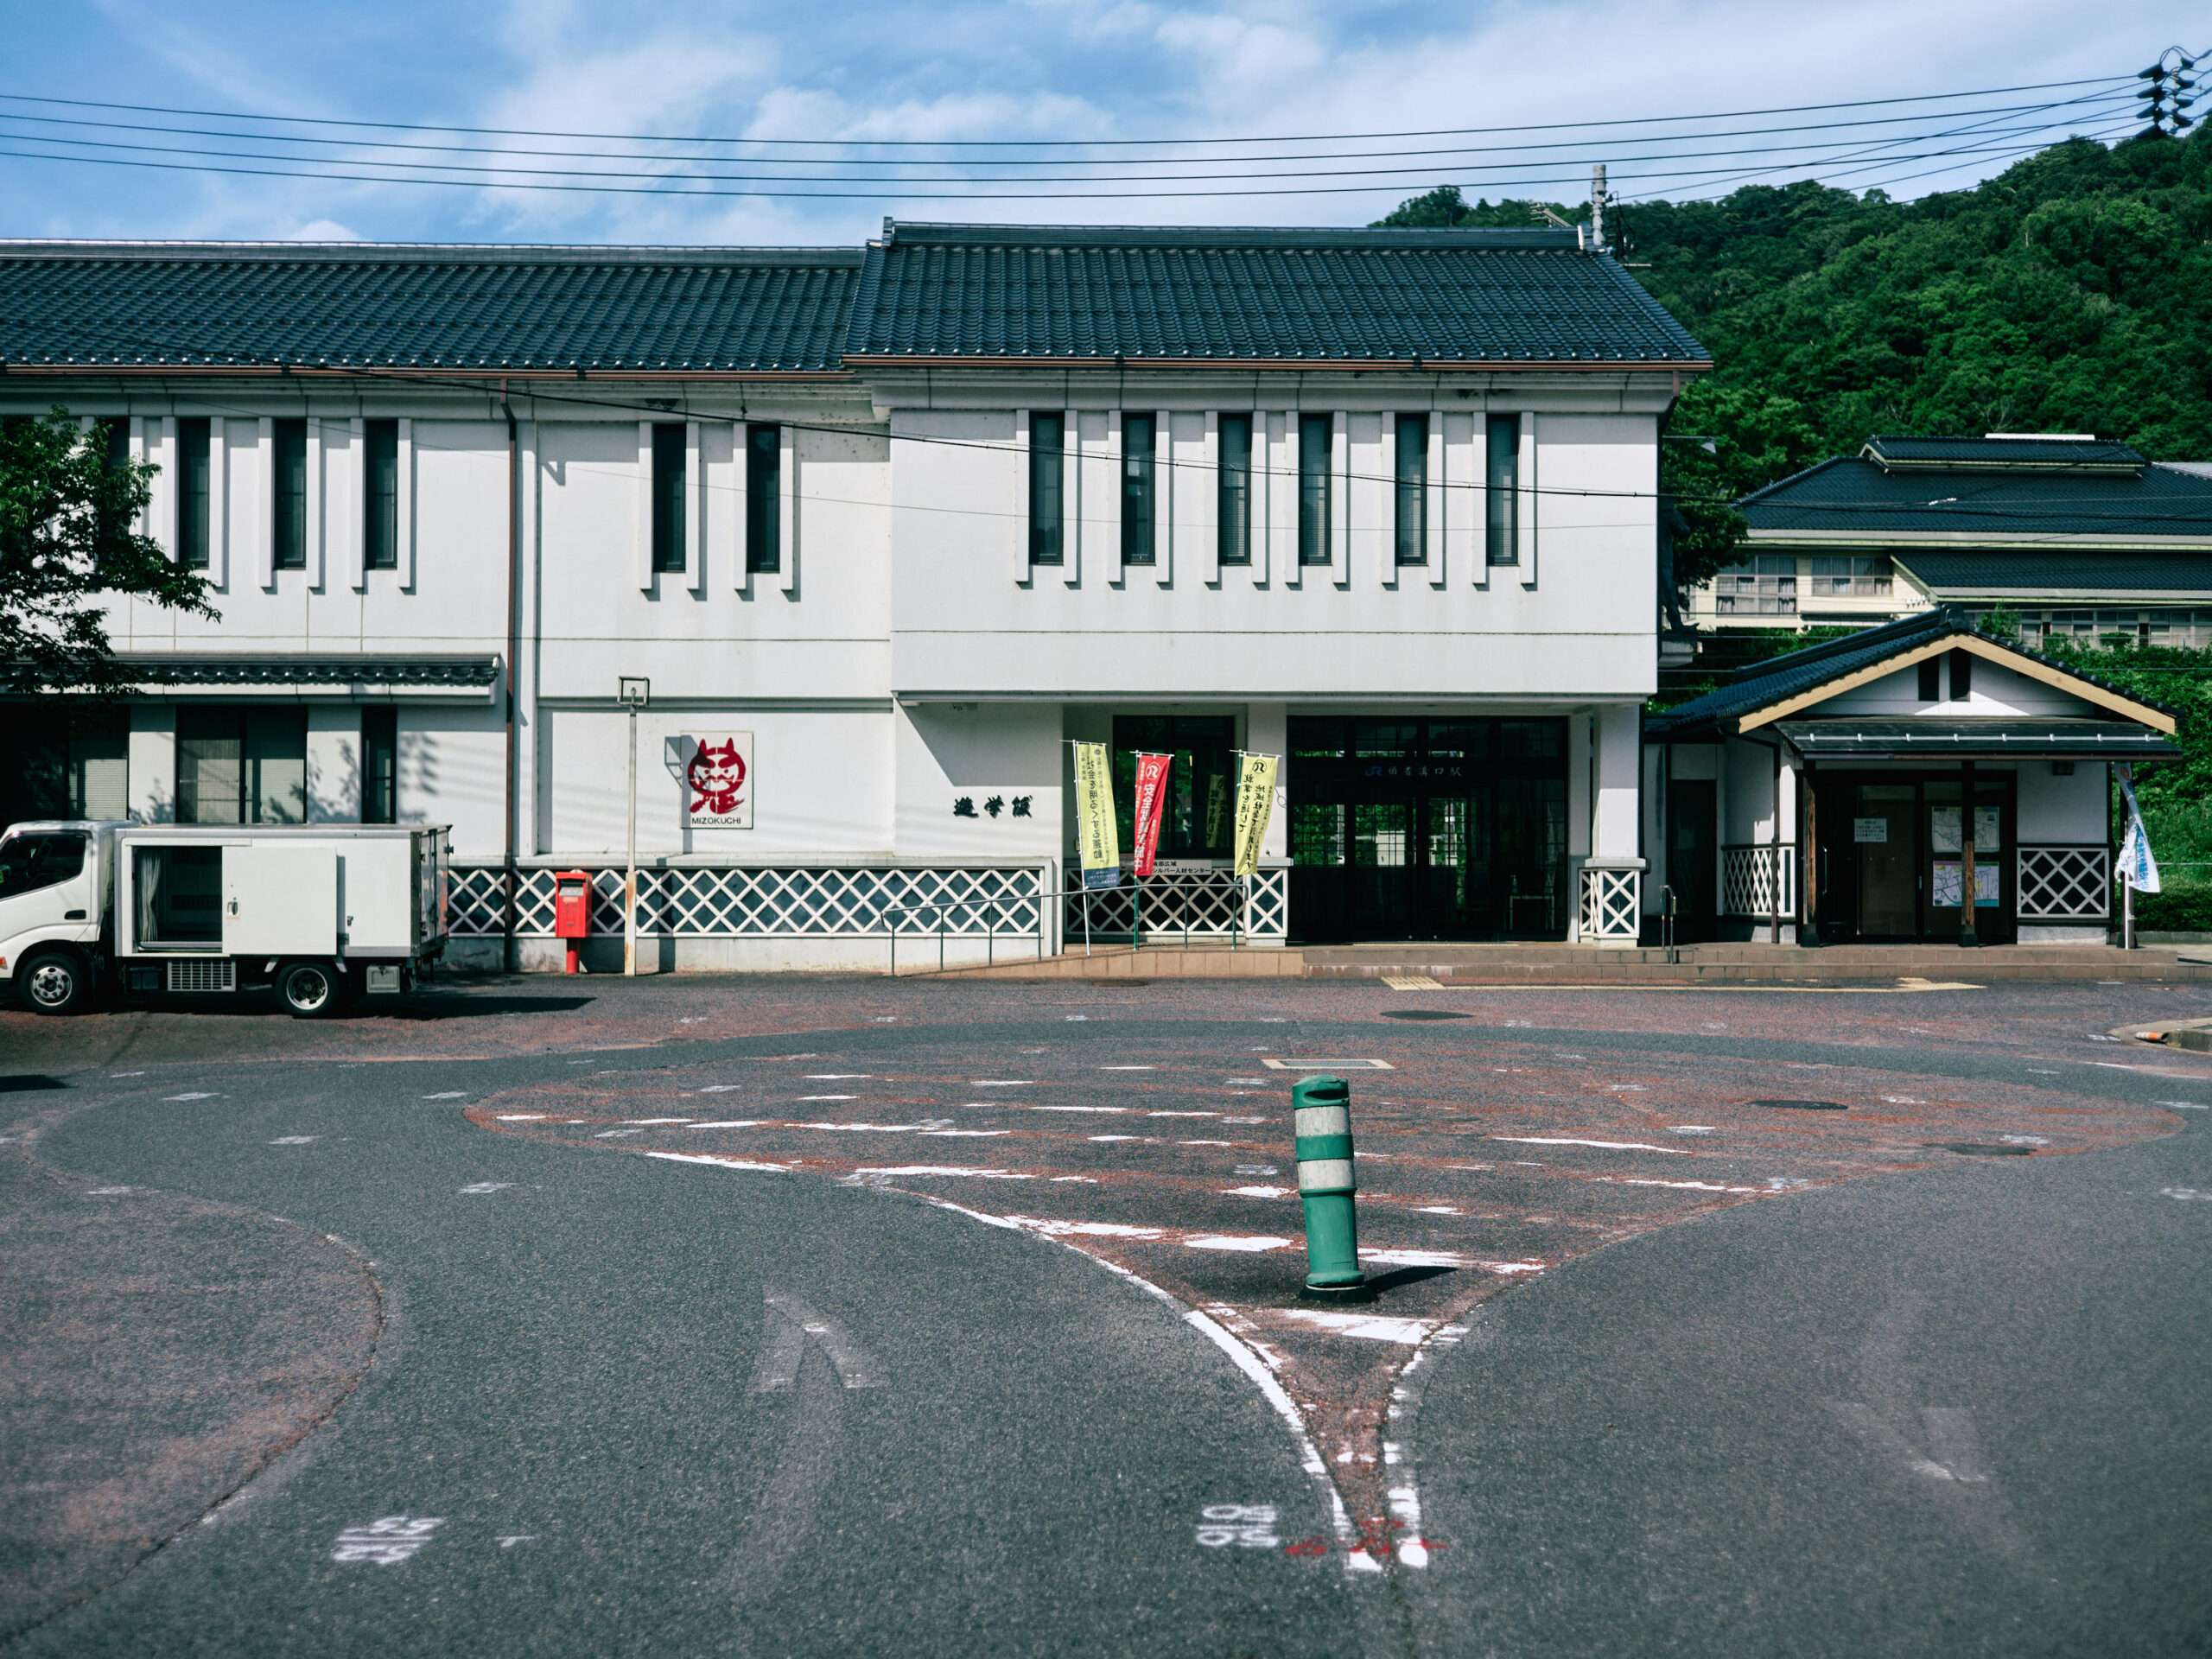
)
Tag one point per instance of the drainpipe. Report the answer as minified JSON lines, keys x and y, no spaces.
{"x":514,"y":650}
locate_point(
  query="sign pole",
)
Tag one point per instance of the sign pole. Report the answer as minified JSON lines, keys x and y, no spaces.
{"x":634,"y":693}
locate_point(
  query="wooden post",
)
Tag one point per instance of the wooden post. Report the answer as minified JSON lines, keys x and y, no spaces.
{"x":1967,"y":935}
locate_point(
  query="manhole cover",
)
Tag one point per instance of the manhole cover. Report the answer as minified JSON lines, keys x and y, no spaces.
{"x":1978,"y":1149}
{"x":1802,"y":1105}
{"x":1423,"y":1013}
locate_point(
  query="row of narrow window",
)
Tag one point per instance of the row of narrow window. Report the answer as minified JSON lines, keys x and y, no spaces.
{"x":1233,"y":485}
{"x":380,"y":499}
{"x":763,"y":480}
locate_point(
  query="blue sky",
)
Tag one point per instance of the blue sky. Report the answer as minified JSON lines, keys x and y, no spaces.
{"x":1020,"y":70}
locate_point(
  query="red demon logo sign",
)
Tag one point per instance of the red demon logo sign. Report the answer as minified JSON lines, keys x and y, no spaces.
{"x":716,"y":775}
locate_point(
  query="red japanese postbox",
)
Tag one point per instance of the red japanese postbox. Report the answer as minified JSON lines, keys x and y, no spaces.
{"x":572,"y":910}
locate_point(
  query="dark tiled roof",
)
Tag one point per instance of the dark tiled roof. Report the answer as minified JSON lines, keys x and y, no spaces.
{"x":1973,"y":575}
{"x":1940,"y":739}
{"x":464,"y":673}
{"x":486,"y":309}
{"x":2032,"y":453}
{"x":1857,"y":498}
{"x":969,"y":291}
{"x":1763,"y":684}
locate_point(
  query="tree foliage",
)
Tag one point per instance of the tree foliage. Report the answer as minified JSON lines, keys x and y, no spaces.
{"x":68,"y":550}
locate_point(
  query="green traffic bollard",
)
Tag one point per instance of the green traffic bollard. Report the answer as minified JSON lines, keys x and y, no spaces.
{"x":1321,"y":1116}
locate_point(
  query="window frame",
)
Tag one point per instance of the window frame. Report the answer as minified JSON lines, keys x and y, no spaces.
{"x":380,"y":495}
{"x":671,"y":473}
{"x":380,"y":764}
{"x":1502,"y":491}
{"x":1233,"y":490}
{"x":1048,"y":519}
{"x":288,"y":494}
{"x":764,"y":498}
{"x":1140,"y":492}
{"x":194,"y":491}
{"x":1316,"y":490}
{"x":1409,"y":517}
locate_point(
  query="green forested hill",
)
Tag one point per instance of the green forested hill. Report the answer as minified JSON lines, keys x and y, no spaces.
{"x":2071,"y":293}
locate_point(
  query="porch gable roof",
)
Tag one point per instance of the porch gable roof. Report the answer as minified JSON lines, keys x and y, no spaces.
{"x":1797,"y":683}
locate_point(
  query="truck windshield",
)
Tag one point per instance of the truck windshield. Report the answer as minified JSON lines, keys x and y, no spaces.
{"x":30,"y":862}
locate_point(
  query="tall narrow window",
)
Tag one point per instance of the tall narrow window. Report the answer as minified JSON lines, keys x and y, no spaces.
{"x":381,"y":765}
{"x":115,"y":447}
{"x":289,"y":486}
{"x":1140,"y":514}
{"x":380,"y":498}
{"x":668,"y":495}
{"x":1234,"y":515}
{"x":1413,"y":489}
{"x":1047,"y":517}
{"x":192,"y":493}
{"x":1962,"y":675}
{"x":1502,"y":529}
{"x":764,"y":499}
{"x":1315,"y":436}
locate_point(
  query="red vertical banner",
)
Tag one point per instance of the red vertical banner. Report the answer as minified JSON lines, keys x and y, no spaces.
{"x":1152,"y":799}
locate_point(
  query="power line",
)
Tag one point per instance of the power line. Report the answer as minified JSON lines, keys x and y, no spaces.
{"x":1002,"y":144}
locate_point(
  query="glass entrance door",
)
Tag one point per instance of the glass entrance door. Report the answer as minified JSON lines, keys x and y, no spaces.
{"x":1884,"y":845}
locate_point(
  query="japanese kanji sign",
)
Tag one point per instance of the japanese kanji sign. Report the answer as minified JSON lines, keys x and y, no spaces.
{"x":1256,"y":805}
{"x":718,"y":780}
{"x":1151,"y":797}
{"x":1098,"y":851}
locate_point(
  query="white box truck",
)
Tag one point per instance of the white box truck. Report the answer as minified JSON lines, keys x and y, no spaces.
{"x":323,"y":912}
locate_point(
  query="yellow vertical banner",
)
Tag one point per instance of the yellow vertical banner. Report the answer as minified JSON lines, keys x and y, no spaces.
{"x":1256,"y":805}
{"x":1097,"y":844}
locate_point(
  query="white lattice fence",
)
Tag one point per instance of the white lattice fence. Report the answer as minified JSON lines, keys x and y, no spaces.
{"x":1748,"y":881}
{"x":1612,"y":905}
{"x":2064,"y":883}
{"x":1204,"y":903}
{"x":765,"y":902}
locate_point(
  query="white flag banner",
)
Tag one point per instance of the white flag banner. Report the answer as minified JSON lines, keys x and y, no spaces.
{"x":2137,"y":867}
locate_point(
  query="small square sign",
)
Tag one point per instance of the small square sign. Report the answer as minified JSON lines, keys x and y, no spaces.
{"x":717,"y":780}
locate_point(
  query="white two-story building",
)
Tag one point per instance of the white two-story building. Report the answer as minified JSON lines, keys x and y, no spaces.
{"x":883,"y":529}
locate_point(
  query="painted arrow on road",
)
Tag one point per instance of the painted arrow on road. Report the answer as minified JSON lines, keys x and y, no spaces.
{"x":790,"y":1325}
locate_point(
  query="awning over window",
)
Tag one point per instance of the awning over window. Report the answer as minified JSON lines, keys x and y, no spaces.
{"x":1975,"y":739}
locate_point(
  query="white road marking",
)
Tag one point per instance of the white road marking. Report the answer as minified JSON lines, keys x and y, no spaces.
{"x":1234,"y":1242}
{"x":876,"y":1129}
{"x":1086,"y":1229}
{"x":1299,"y":1065}
{"x":1205,"y":1143}
{"x":2041,"y":1072}
{"x":1243,"y":1120}
{"x":126,"y":1074}
{"x":488,"y":1187}
{"x":512,"y":1539}
{"x":2186,"y":1194}
{"x":1405,"y":1509}
{"x":1628,"y":1088}
{"x":1372,"y":1328}
{"x":616,"y":1135}
{"x":1609,"y":1146}
{"x":1182,"y":1114}
{"x":1257,"y":1191}
{"x":655,"y":1120}
{"x":1074,"y":1018}
{"x":1786,"y":1183}
{"x":1111,"y":1110}
{"x":791,"y":1324}
{"x":388,"y":1541}
{"x":1411,"y":983}
{"x":1904,"y":1100}
{"x":1416,"y":1258}
{"x":731,"y":1123}
{"x":1000,"y":1082}
{"x":1436,"y":1210}
{"x":1116,"y":1137}
{"x":108,"y":1191}
{"x":721,"y":1163}
{"x":450,"y":1094}
{"x":1088,"y":1180}
{"x":2180,"y":1105}
{"x":1257,"y":1169}
{"x":981,"y":1134}
{"x":1691,"y":1128}
{"x":948,"y":1169}
{"x":836,"y":1077}
{"x":805,"y":1099}
{"x":1244,"y":1083}
{"x":719,"y":1089}
{"x":1693,"y":1186}
{"x":2024,"y":1140}
{"x":1249,"y":1526}
{"x":523,"y":1117}
{"x":294,"y":1140}
{"x":1127,"y":1068}
{"x":193,"y":1096}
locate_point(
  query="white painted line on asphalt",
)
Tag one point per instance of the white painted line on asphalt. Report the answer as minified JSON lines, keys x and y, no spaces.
{"x":1085,"y":1228}
{"x":1297,"y":1064}
{"x":1609,"y":1146}
{"x":836,"y":1077}
{"x":1110,"y":1110}
{"x":805,"y":1099}
{"x":948,"y":1169}
{"x":1371,"y":1327}
{"x":108,"y":1191}
{"x":510,"y":1540}
{"x":721,"y":1163}
{"x":2180,"y":1105}
{"x":294,"y":1140}
{"x":1257,"y":1169}
{"x":523,"y":1117}
{"x":1000,"y":1082}
{"x":1205,"y":1143}
{"x":979,"y":1135}
{"x":719,"y":1089}
{"x":488,"y":1187}
{"x":450,"y":1094}
{"x":731,"y":1123}
{"x":1088,"y":1180}
{"x":655,"y":1120}
{"x":1182,"y":1114}
{"x":616,"y":1135}
{"x":799,"y":1324}
{"x":1249,"y":1526}
{"x":126,"y":1074}
{"x":1245,"y":1083}
{"x":192,"y":1096}
{"x":2186,"y":1194}
{"x":1127,"y":1068}
{"x":1115,"y":1137}
{"x":388,"y":1541}
{"x":1234,"y":1242}
{"x":2024,"y":1140}
{"x":1416,"y":1258}
{"x":1692,"y":1186}
{"x":1435,"y":1210}
{"x":878,"y":1129}
{"x":1075,"y":1018}
{"x":1243,"y":1120}
{"x":1691,"y":1128}
{"x":1257,"y":1191}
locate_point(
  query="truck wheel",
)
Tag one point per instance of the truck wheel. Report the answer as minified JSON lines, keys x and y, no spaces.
{"x":53,"y":983}
{"x":310,"y":989}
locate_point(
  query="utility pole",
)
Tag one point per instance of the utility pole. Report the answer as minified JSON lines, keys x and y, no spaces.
{"x":1598,"y":208}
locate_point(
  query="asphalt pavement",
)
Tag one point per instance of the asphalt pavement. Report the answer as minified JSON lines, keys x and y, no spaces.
{"x":590,"y":1429}
{"x":630,"y":1404}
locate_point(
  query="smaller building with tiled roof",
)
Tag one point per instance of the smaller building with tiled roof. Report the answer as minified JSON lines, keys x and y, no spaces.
{"x":2079,"y":537}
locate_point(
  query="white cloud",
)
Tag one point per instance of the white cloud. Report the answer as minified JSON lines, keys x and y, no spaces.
{"x":323,"y":230}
